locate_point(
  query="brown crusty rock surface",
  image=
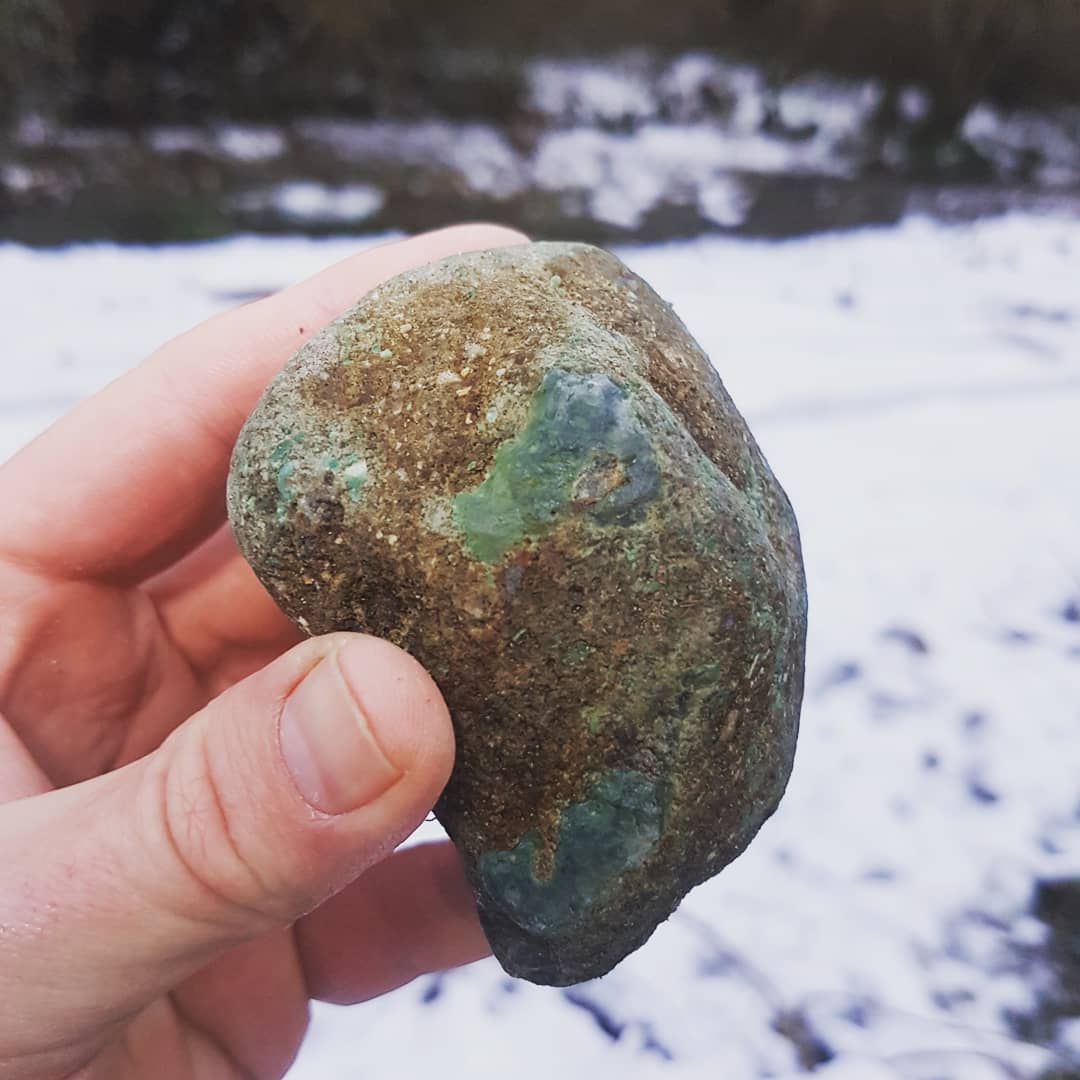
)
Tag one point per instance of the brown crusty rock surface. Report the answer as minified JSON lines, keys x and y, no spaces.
{"x":518,"y":465}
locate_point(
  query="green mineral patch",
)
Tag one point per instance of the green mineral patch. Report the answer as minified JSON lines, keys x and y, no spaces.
{"x":283,"y":468}
{"x":283,"y":474}
{"x":599,"y":839}
{"x":284,"y":449}
{"x":582,"y":448}
{"x":594,"y":718}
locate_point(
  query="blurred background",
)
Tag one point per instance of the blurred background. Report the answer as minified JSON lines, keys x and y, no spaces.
{"x":143,"y":120}
{"x":867,"y":213}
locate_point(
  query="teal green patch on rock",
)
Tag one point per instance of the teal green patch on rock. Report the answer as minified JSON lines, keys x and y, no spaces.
{"x":582,"y":448}
{"x":594,"y":718}
{"x":284,"y":472}
{"x":284,"y":449}
{"x":611,"y":832}
{"x":284,"y":467}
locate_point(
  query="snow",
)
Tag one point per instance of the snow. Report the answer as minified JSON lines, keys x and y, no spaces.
{"x":17,"y":178}
{"x":306,"y":202}
{"x":627,"y":137}
{"x":178,"y":140}
{"x":724,"y":201}
{"x":839,"y":110}
{"x":480,"y":154}
{"x":584,"y":92}
{"x":1017,"y":139}
{"x":1069,"y":1036}
{"x":627,"y":175}
{"x":249,"y":143}
{"x":916,"y":390}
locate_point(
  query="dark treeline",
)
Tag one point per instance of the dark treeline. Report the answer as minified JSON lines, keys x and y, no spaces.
{"x":133,"y":61}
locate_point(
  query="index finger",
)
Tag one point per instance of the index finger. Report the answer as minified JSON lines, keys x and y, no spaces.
{"x":133,"y":477}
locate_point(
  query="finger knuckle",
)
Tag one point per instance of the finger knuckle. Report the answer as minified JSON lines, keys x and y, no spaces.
{"x":212,"y":875}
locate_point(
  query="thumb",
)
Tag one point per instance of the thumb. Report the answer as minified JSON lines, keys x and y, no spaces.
{"x":276,"y":795}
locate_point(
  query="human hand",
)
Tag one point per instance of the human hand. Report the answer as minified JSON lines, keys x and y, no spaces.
{"x":196,"y":811}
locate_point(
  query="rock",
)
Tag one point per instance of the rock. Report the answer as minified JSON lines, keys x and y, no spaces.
{"x":519,"y":466}
{"x":1053,"y":971}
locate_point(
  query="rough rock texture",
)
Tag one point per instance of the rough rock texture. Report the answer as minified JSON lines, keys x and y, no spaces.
{"x":520,"y":467}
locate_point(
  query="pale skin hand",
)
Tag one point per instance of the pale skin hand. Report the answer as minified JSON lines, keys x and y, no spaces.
{"x":169,"y":838}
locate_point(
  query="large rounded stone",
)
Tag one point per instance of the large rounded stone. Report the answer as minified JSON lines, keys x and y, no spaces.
{"x":520,"y":467}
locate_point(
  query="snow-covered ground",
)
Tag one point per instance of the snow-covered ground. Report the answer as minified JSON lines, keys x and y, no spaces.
{"x":917,"y":391}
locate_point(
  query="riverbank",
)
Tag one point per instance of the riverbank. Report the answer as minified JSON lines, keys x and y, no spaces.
{"x":627,"y":149}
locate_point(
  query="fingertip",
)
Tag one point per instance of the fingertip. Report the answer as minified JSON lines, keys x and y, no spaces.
{"x":474,"y":236}
{"x":409,"y":718}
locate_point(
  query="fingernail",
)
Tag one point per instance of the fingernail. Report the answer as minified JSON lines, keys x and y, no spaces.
{"x":329,"y":745}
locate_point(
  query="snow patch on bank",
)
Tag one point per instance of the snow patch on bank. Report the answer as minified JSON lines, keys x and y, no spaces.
{"x":308,"y":203}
